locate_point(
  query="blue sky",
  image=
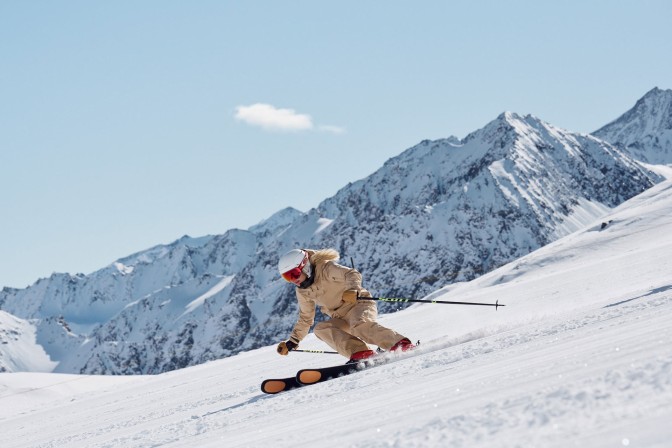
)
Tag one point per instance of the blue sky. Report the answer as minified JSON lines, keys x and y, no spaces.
{"x":129,"y":124}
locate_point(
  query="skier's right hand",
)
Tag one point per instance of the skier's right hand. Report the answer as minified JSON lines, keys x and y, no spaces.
{"x":286,"y":346}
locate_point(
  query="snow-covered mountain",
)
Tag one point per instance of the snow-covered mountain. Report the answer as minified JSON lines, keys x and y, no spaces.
{"x":18,"y":348}
{"x":580,"y":356}
{"x":441,"y":212}
{"x":645,"y":131}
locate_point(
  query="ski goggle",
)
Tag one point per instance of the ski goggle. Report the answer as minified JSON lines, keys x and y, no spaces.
{"x":293,"y":274}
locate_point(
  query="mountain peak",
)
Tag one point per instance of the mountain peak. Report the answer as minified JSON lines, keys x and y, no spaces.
{"x":645,"y":131}
{"x":506,"y":127}
{"x":655,"y":92}
{"x":279,"y":220}
{"x":655,"y":100}
{"x":509,"y":116}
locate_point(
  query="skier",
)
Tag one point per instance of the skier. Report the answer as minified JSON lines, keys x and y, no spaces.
{"x":321,"y":281}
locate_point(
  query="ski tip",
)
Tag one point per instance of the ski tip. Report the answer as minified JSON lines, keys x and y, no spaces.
{"x":273,"y":386}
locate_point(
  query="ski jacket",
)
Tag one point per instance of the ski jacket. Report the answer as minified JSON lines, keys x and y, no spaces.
{"x":331,"y":281}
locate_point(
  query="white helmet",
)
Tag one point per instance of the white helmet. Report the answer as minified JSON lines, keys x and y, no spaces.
{"x":295,"y":258}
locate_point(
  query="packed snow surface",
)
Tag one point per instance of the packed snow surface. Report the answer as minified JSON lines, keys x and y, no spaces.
{"x":580,"y":356}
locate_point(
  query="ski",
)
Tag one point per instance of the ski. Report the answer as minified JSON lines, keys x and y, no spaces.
{"x":305,"y":377}
{"x":313,"y":376}
{"x":277,"y":385}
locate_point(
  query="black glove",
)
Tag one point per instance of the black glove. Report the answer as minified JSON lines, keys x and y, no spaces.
{"x":286,"y":346}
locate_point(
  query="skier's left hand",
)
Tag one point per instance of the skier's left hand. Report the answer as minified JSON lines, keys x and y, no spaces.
{"x":286,"y":346}
{"x":350,"y":296}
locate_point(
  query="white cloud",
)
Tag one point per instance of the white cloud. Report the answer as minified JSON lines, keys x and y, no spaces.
{"x":332,"y":129}
{"x":271,"y":118}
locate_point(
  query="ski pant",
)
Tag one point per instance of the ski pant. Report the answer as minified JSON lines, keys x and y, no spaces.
{"x":351,"y":332}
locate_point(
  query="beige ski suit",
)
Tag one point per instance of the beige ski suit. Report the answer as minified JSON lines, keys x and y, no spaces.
{"x":352,"y":325}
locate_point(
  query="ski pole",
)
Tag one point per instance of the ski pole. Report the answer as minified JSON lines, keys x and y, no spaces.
{"x":388,"y":299}
{"x":316,"y":351}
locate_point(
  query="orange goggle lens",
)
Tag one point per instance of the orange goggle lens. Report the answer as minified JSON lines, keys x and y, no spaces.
{"x":292,"y":275}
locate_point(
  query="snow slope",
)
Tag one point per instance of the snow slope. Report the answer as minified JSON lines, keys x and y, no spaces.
{"x":580,"y":356}
{"x":19,"y":350}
